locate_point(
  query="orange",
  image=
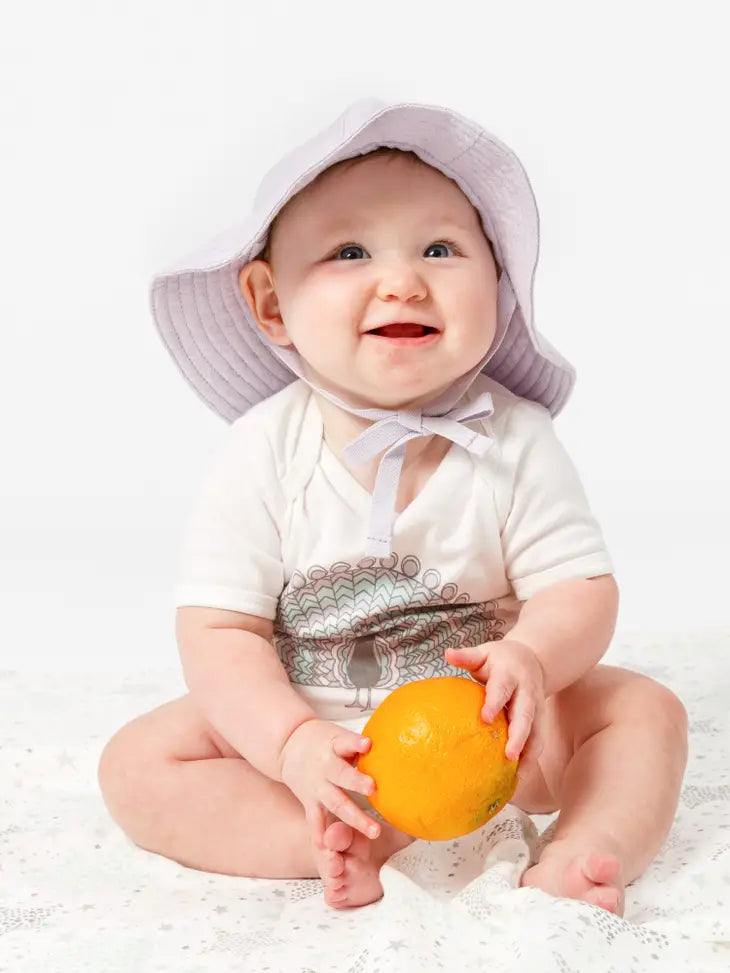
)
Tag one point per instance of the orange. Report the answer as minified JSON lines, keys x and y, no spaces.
{"x":440,"y":771}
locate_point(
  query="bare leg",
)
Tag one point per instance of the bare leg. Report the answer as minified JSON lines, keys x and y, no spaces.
{"x":618,"y":793}
{"x":168,"y":784}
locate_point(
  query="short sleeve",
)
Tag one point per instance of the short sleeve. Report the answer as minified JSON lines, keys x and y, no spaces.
{"x":550,"y":533}
{"x":230,"y":555}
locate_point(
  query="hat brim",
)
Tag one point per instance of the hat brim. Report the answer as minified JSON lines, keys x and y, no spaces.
{"x":206,"y":324}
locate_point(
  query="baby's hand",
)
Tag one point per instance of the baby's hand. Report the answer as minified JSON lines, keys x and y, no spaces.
{"x":510,"y":671}
{"x":315,"y":765}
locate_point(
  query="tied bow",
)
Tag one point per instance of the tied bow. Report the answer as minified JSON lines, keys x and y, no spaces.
{"x":395,"y":429}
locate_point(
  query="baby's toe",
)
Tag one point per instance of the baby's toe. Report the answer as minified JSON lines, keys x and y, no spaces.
{"x":360,"y":846}
{"x":605,"y":897}
{"x":601,"y":868}
{"x":336,"y":898}
{"x":334,"y":868}
{"x":338,"y":836}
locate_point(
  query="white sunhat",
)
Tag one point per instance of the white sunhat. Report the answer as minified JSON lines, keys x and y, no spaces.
{"x":208,"y":328}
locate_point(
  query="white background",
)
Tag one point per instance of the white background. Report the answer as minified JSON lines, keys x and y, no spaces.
{"x":132,"y":133}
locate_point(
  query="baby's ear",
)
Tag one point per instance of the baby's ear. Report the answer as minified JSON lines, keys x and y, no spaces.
{"x":256,"y":283}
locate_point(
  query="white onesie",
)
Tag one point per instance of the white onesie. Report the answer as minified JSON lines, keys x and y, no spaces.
{"x":279,"y":531}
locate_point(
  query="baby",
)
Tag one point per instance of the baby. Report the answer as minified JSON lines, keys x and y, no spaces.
{"x":392,"y":503}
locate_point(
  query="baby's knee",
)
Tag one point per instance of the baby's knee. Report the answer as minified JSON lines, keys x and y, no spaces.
{"x":664,"y":708}
{"x":653,"y":711}
{"x":126,"y":770}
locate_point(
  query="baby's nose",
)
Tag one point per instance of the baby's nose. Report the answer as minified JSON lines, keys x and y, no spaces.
{"x":401,"y":280}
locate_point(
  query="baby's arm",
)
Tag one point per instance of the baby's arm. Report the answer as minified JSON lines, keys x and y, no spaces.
{"x":563,"y":630}
{"x":235,"y":676}
{"x":554,"y":551}
{"x":569,"y":626}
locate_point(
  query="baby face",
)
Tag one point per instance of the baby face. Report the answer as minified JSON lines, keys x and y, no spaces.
{"x":384,"y":240}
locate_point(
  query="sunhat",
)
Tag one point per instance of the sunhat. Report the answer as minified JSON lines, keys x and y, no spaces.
{"x":209,"y":330}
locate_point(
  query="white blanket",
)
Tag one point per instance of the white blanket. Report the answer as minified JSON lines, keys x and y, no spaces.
{"x":76,"y":895}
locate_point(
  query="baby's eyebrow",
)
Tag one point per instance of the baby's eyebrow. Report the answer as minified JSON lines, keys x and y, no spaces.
{"x":451,"y":222}
{"x":352,"y":224}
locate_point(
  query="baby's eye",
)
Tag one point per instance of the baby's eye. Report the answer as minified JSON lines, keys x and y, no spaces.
{"x":355,"y":246}
{"x":351,"y":246}
{"x":444,"y":243}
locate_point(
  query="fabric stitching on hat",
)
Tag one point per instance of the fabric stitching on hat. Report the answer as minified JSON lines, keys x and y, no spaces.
{"x":170,"y":291}
{"x":468,"y":148}
{"x":542,"y":380}
{"x":200,"y":297}
{"x":200,"y":350}
{"x":520,"y":344}
{"x":208,"y":349}
{"x":223,"y":332}
{"x":171,"y":338}
{"x":507,"y":354}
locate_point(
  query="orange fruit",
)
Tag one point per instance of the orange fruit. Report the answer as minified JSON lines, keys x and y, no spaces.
{"x":440,"y":771}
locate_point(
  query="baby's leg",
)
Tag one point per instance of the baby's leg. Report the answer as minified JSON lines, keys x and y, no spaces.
{"x":614,"y":760}
{"x":178,"y":789}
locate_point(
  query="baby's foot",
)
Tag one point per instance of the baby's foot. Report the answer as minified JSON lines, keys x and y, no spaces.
{"x":594,"y":877}
{"x":350,"y":863}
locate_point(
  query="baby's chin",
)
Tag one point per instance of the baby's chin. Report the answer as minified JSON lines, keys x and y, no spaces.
{"x":401,"y":404}
{"x":392,"y":400}
{"x":389,"y":402}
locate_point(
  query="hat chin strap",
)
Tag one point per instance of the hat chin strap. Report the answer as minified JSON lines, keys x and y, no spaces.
{"x":392,"y":429}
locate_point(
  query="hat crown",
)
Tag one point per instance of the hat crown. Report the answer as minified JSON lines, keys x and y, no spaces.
{"x":299,"y":161}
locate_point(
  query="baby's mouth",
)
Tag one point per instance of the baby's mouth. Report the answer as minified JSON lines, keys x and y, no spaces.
{"x":403,"y":329}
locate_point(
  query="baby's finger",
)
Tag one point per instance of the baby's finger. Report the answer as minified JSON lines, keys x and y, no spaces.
{"x":499,"y":691}
{"x":346,"y":810}
{"x":535,"y":744}
{"x":348,"y":744}
{"x":468,"y":658}
{"x":343,"y":774}
{"x":521,"y":717}
{"x":528,"y":758}
{"x":342,"y":770}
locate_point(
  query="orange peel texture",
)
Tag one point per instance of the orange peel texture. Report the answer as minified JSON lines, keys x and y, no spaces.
{"x":440,"y":771}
